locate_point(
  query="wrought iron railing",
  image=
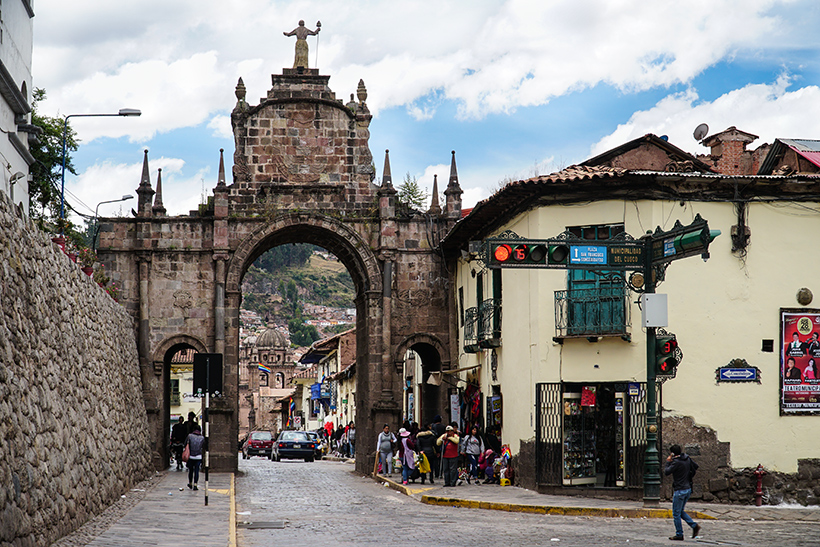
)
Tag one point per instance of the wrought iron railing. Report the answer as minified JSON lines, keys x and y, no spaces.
{"x":471,"y":330}
{"x":593,"y":312}
{"x":175,"y":399}
{"x":489,"y":324}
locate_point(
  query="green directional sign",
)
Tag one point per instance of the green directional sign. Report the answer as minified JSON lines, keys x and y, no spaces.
{"x":683,"y":241}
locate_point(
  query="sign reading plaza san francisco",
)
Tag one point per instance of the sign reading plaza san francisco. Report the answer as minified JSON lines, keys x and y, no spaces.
{"x":800,"y":353}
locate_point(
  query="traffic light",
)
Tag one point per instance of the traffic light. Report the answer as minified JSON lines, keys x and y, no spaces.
{"x":558,"y":254}
{"x":518,"y":253}
{"x":666,"y":355}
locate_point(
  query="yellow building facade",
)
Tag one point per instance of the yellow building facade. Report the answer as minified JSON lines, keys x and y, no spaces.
{"x":573,"y":391}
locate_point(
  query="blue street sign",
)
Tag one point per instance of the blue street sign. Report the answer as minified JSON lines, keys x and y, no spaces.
{"x":728,"y":374}
{"x":587,"y":254}
{"x":669,"y":247}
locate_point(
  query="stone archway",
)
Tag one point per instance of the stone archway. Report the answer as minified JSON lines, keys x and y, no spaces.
{"x":302,"y":172}
{"x":363,"y":266}
{"x":160,"y":422}
{"x":432,"y":398}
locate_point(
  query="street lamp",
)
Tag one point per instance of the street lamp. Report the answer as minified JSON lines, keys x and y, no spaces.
{"x":96,"y":210}
{"x":122,"y":112}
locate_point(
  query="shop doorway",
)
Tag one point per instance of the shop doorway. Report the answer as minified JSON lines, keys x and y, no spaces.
{"x":591,"y":434}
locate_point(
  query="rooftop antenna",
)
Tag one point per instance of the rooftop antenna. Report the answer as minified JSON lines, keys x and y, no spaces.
{"x":701,"y":131}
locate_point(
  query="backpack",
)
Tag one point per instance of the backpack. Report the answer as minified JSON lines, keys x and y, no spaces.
{"x":693,"y":468}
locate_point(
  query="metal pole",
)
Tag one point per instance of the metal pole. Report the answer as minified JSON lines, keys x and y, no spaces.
{"x":207,"y":423}
{"x":62,"y":176}
{"x":651,"y":477}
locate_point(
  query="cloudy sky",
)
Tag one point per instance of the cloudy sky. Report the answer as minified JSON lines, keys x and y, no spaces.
{"x":517,"y":88}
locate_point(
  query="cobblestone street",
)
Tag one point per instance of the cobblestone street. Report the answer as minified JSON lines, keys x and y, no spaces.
{"x":324,"y":503}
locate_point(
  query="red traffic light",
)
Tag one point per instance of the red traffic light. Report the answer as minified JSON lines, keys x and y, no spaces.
{"x":667,"y":366}
{"x":502,"y":253}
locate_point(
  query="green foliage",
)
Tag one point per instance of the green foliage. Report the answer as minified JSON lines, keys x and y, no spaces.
{"x":302,"y":334}
{"x":285,"y":256}
{"x":410,"y":193}
{"x":46,"y":172}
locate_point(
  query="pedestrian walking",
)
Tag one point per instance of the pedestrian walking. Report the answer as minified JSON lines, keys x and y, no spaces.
{"x":195,"y":443}
{"x":407,"y":455}
{"x":682,"y":468}
{"x":426,"y":444}
{"x":473,"y":448}
{"x":384,"y":449}
{"x":191,"y":422}
{"x":449,"y":452}
{"x":178,"y":434}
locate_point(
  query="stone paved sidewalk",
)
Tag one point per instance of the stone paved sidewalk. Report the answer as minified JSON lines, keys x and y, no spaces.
{"x":168,"y":514}
{"x":515,"y":499}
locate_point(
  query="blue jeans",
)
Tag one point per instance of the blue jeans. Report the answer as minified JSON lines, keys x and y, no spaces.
{"x":679,"y":499}
{"x":193,"y":471}
{"x":405,"y":472}
{"x":473,"y":460}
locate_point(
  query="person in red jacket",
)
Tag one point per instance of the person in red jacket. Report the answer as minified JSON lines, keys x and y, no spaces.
{"x":449,"y":455}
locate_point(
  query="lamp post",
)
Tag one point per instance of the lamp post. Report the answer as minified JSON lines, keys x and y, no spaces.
{"x":122,"y":112}
{"x":96,"y":216}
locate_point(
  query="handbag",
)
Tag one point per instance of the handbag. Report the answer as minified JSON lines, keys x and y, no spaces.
{"x":186,"y":453}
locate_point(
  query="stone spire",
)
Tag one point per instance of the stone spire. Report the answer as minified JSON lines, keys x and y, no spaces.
{"x":435,"y":208}
{"x":220,"y":181}
{"x":144,"y":192}
{"x":158,"y":209}
{"x":452,"y":194}
{"x":387,"y":194}
{"x":387,"y":178}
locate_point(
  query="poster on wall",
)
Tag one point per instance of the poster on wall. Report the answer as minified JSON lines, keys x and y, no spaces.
{"x":455,"y":408}
{"x":799,"y":358}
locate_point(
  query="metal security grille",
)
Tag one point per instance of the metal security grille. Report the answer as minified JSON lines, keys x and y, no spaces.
{"x":548,"y":434}
{"x":471,"y":330}
{"x":636,"y":439}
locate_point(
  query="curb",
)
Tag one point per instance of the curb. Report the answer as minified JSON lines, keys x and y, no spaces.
{"x":559,"y":510}
{"x":232,"y":518}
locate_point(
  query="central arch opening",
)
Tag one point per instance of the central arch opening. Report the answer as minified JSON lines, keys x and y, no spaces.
{"x":320,"y":383}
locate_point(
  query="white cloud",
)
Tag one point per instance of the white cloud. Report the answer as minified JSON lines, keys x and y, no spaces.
{"x":766,"y":110}
{"x":179,"y":61}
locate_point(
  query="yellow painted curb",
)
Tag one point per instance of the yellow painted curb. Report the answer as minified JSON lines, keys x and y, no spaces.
{"x":232,"y":518}
{"x":559,"y":510}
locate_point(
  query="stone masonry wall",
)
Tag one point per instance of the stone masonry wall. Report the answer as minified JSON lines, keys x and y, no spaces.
{"x":717,"y":482}
{"x":73,"y":426}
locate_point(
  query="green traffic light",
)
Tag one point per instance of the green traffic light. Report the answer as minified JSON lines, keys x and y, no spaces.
{"x":558,"y":254}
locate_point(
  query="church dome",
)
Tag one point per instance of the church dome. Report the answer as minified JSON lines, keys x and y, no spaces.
{"x":271,"y":338}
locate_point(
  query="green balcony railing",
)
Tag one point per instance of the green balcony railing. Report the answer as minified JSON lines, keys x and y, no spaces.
{"x":489,"y":324}
{"x":600,"y":311}
{"x":471,"y":330}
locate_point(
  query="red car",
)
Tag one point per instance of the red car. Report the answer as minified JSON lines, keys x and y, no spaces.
{"x":259,"y":443}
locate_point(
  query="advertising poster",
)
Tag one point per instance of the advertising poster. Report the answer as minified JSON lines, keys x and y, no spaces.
{"x":799,"y":358}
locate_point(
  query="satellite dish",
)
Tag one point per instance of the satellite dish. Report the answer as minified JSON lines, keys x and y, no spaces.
{"x":701,"y":131}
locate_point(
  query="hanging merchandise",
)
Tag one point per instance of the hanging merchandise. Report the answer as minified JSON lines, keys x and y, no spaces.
{"x":588,"y":396}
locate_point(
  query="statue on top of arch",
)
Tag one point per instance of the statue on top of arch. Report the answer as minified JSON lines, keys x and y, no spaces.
{"x":302,"y":32}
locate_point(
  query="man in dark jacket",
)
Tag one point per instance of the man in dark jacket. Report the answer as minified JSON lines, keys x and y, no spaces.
{"x":178,"y":434}
{"x":438,"y":430}
{"x":682,"y":468}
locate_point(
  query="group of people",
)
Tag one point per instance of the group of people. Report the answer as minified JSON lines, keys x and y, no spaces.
{"x":340,"y":441}
{"x":188,"y":434}
{"x":436,"y":451}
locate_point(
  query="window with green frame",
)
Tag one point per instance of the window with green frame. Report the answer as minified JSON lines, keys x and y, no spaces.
{"x":596,"y":304}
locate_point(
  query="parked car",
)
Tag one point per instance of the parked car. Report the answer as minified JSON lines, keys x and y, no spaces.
{"x":259,"y":443}
{"x":294,"y":445}
{"x":319,"y":448}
